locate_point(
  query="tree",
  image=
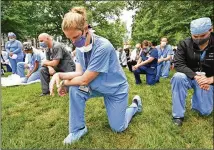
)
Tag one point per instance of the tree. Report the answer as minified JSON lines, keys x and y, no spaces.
{"x":30,"y":18}
{"x":155,"y":19}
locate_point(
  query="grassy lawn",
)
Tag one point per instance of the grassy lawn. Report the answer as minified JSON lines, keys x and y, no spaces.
{"x":29,"y":121}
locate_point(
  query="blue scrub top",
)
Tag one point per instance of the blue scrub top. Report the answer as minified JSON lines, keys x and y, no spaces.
{"x":32,"y":58}
{"x":103,"y":59}
{"x":165,"y":52}
{"x":152,"y":53}
{"x":15,"y":47}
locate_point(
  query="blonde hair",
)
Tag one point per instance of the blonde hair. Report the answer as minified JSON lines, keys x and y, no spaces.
{"x":76,"y":19}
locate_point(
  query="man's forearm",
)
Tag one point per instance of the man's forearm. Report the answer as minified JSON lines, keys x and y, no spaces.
{"x":50,"y":63}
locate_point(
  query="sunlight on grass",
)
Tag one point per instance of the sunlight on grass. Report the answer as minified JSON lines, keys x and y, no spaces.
{"x":29,"y":121}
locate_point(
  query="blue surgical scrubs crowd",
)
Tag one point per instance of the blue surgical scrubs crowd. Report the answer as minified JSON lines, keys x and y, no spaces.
{"x":95,"y":68}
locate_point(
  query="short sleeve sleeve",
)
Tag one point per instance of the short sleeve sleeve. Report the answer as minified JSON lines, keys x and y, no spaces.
{"x":57,"y":53}
{"x":170,"y":52}
{"x":154,"y":53}
{"x":37,"y":57}
{"x":99,"y":61}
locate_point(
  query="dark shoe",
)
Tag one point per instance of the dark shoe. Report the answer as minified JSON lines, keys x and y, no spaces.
{"x":44,"y":94}
{"x":178,"y":121}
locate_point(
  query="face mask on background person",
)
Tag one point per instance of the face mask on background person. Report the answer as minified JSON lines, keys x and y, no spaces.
{"x":147,"y":49}
{"x":43,"y":45}
{"x":201,"y":41}
{"x":163,"y":44}
{"x":12,"y":39}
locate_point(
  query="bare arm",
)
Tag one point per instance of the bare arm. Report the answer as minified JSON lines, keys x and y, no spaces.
{"x":71,"y":75}
{"x":52,"y":63}
{"x":150,"y":59}
{"x":85,"y":79}
{"x":139,"y":60}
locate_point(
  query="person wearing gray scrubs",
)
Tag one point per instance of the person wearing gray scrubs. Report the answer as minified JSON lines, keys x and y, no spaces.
{"x":57,"y":60}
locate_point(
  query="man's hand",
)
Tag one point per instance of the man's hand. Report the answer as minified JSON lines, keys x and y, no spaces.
{"x":205,"y":86}
{"x":160,"y":60}
{"x":62,"y":91}
{"x":11,"y":54}
{"x":135,"y":67}
{"x":201,"y":79}
{"x":51,"y":70}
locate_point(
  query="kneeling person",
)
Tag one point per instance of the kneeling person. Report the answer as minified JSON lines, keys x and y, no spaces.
{"x":98,"y":73}
{"x":147,"y":64}
{"x":58,"y":59}
{"x":32,"y":65}
{"x":194,"y":61}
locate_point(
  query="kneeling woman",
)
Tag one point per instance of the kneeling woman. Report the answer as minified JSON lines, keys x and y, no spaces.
{"x":32,"y":65}
{"x":98,"y":73}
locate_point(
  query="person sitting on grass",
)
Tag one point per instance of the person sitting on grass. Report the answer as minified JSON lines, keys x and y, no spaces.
{"x":33,"y":64}
{"x":98,"y":73}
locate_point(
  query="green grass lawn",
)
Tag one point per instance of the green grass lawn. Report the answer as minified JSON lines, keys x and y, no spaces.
{"x":30,"y":121}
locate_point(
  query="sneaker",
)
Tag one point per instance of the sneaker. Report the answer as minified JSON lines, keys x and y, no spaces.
{"x":72,"y":137}
{"x":44,"y":94}
{"x":137,"y":100}
{"x":178,"y":121}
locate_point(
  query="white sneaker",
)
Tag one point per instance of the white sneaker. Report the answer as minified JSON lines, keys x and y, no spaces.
{"x":138,"y":101}
{"x":72,"y":137}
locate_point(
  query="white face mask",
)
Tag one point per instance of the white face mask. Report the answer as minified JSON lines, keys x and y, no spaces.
{"x":87,"y":48}
{"x":12,"y":40}
{"x":163,"y":44}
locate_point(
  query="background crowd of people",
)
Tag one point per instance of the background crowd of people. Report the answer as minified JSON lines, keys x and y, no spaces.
{"x":157,"y":60}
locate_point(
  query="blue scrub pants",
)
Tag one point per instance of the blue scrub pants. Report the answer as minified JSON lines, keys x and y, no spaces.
{"x":163,"y":70}
{"x":150,"y":75}
{"x":202,"y":100}
{"x":119,"y":115}
{"x":21,"y":72}
{"x":14,"y":63}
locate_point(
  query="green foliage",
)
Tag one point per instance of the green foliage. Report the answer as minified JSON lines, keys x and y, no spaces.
{"x":30,"y":18}
{"x":155,"y":19}
{"x":32,"y":122}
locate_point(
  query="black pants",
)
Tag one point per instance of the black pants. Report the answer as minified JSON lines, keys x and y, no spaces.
{"x":45,"y":77}
{"x":131,"y":63}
